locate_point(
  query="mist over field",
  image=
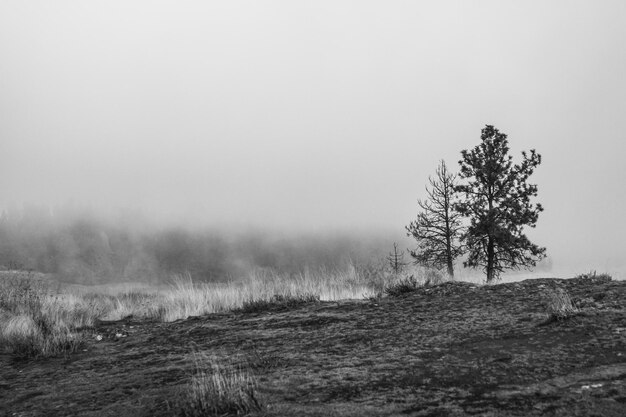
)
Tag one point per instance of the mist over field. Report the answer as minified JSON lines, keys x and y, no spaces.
{"x":312,"y":208}
{"x":81,"y":247}
{"x":144,"y":139}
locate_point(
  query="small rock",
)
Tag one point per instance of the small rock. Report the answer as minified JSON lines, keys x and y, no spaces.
{"x":591,"y":386}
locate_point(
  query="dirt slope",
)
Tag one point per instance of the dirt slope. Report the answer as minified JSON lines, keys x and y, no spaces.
{"x":454,"y":349}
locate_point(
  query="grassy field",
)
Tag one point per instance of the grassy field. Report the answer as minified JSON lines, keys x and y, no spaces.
{"x":41,"y":318}
{"x":537,"y":347}
{"x":349,"y":342}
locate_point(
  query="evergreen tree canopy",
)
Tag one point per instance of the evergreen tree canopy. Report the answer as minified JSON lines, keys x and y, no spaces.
{"x":496,"y":198}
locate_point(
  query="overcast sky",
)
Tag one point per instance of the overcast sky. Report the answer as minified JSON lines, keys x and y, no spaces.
{"x":314,"y":114}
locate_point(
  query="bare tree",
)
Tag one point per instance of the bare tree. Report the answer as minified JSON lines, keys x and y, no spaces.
{"x":438,"y":226}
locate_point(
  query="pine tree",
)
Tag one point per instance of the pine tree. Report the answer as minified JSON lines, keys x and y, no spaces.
{"x":396,"y":260}
{"x":496,"y":200}
{"x":438,"y":227}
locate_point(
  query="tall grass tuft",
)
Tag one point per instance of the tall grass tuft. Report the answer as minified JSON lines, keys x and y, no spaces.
{"x":219,"y":388}
{"x":559,"y":305}
{"x":186,"y":298}
{"x":144,"y":304}
{"x":36,"y":322}
{"x":595,"y":277}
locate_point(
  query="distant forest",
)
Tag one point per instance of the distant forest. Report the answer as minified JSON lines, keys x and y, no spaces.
{"x":84,"y":248}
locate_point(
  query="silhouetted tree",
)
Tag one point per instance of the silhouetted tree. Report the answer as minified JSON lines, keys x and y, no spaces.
{"x":496,"y":200}
{"x":438,"y":227}
{"x":396,"y":259}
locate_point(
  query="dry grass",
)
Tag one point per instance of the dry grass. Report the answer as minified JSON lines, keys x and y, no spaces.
{"x":278,"y":303}
{"x":37,"y":322}
{"x":186,"y":298}
{"x":595,"y":277}
{"x":351,"y":282}
{"x":559,"y":305}
{"x":219,"y":387}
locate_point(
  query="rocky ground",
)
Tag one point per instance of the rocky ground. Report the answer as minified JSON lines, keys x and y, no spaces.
{"x":451,"y":350}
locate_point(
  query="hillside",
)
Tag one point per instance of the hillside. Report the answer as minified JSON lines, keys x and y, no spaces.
{"x":452,"y":349}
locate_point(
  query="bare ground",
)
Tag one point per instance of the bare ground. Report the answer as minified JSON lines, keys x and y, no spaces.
{"x":451,"y":350}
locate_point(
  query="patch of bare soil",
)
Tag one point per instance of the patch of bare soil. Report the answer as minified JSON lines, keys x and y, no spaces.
{"x":452,"y":350}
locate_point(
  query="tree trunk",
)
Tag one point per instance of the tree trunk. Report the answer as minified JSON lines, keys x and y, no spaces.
{"x":490,"y":242}
{"x":449,"y":256}
{"x":490,"y":260}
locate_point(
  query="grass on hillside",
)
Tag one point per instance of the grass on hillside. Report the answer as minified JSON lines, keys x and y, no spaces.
{"x":278,"y":303}
{"x":37,"y":320}
{"x":559,"y":305}
{"x":218,"y":387}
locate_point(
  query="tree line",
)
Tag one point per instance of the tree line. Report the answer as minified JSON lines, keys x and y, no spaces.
{"x":479,"y":212}
{"x":89,"y":249}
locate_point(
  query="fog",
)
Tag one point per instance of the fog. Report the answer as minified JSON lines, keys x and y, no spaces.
{"x":312,"y":118}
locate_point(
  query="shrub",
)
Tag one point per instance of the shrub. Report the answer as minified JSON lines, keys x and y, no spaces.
{"x":21,"y":293}
{"x":36,"y":322}
{"x":278,"y":302}
{"x":219,"y":388}
{"x":403,"y":286}
{"x":592,"y":276}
